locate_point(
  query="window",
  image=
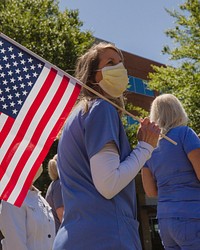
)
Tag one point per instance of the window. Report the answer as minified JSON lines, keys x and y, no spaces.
{"x":139,"y":86}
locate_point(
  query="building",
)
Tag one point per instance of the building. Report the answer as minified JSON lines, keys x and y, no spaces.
{"x":138,"y":70}
{"x":139,"y":95}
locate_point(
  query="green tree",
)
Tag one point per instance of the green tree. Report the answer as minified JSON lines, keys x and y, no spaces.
{"x":55,"y":36}
{"x":131,"y":129}
{"x":40,"y":26}
{"x":184,"y":80}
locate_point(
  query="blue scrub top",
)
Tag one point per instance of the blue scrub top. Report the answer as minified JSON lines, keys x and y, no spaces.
{"x":92,"y":222}
{"x":178,"y":185}
{"x":54,"y":198}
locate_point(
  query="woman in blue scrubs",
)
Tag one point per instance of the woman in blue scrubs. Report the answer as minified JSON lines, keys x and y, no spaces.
{"x":96,"y":164}
{"x":173,"y":174}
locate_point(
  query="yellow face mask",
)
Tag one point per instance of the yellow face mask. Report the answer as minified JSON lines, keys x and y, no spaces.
{"x":115,"y":80}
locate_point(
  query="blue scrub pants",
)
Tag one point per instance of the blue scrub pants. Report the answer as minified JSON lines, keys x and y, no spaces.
{"x":180,"y":233}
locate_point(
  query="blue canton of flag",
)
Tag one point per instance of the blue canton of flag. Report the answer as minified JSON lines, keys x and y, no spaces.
{"x":18,"y":74}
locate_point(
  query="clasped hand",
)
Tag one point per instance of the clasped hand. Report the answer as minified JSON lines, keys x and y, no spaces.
{"x":148,"y":132}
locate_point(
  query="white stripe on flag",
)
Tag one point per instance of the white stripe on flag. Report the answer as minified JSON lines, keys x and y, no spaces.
{"x":3,"y":119}
{"x":9,"y":139}
{"x":55,"y":116}
{"x":17,"y":154}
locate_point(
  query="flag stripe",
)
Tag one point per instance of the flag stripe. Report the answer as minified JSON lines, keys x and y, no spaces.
{"x":8,"y":123}
{"x":3,"y":119}
{"x":26,"y":122}
{"x":46,"y":147}
{"x":33,"y":141}
{"x":17,"y":152}
{"x":23,"y":112}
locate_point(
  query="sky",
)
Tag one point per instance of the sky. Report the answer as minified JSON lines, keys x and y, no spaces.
{"x":135,"y":26}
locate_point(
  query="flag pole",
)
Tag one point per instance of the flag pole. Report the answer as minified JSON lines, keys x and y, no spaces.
{"x":82,"y":84}
{"x":122,"y":109}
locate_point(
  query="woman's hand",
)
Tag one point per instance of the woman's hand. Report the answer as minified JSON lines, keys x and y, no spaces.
{"x":148,"y":132}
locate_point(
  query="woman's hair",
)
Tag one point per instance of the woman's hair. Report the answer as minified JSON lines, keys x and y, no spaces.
{"x":52,"y":168}
{"x":86,"y":68}
{"x":168,"y":112}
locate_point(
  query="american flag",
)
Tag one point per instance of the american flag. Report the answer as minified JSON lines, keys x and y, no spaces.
{"x":35,"y":100}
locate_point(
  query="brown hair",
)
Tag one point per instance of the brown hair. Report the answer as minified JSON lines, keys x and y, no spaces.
{"x":85,"y":71}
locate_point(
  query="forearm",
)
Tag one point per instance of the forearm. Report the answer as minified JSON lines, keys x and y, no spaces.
{"x":59,"y":212}
{"x":194,"y":157}
{"x":109,"y":175}
{"x":149,"y":183}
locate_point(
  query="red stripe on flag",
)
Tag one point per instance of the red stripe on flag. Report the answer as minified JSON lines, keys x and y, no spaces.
{"x":26,"y":122}
{"x":6,"y":129}
{"x":34,"y":139}
{"x":47,"y":145}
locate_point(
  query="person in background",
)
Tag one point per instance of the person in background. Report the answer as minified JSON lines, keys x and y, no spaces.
{"x":96,"y":164}
{"x":53,"y":195}
{"x":173,"y":175}
{"x":29,"y":227}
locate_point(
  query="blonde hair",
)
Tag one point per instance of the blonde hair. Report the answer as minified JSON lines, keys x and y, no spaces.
{"x":85,"y":71}
{"x":168,"y":112}
{"x":52,"y":168}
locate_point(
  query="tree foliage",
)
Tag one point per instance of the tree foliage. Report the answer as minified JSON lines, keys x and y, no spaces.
{"x":184,"y":80}
{"x":131,"y":129}
{"x":41,"y":27}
